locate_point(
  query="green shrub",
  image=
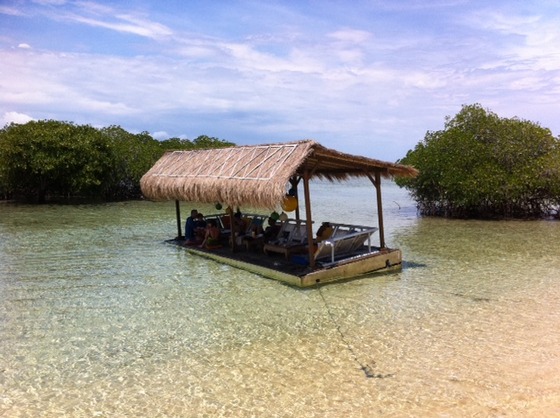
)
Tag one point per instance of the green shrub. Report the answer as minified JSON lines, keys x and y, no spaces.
{"x":484,"y":166}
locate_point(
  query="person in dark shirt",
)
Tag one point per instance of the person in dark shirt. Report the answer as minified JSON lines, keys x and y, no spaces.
{"x":190,"y":228}
{"x":239,"y":226}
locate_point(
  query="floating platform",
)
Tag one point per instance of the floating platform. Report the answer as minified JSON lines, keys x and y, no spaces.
{"x":269,"y":176}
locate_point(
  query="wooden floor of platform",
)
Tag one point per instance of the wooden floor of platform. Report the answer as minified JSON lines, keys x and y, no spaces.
{"x":277,"y":267}
{"x":253,"y":256}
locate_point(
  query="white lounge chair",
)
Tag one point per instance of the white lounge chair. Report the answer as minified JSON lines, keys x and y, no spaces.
{"x":292,"y":237}
{"x":343,"y":244}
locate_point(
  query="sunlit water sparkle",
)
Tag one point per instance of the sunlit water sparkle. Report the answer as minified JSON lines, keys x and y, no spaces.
{"x":99,"y":317}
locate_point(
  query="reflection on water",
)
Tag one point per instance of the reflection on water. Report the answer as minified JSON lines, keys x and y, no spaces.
{"x":99,"y":318}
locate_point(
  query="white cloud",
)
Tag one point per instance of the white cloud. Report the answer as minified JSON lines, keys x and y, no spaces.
{"x":126,"y":24}
{"x":351,"y":36}
{"x":100,"y":15}
{"x":497,"y":21}
{"x":528,"y":41}
{"x":24,"y":46}
{"x":160,"y":135}
{"x":10,"y":10}
{"x":95,"y":14}
{"x":50,"y":2}
{"x":14,"y":117}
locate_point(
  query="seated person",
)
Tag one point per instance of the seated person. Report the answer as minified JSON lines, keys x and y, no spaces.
{"x":324,"y":232}
{"x":211,"y":236}
{"x":254,"y":235}
{"x":239,"y":225}
{"x":199,"y":227}
{"x":271,"y":231}
{"x":255,"y":229}
{"x":190,"y":234}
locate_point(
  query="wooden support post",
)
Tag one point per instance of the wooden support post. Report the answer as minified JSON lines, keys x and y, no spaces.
{"x":379,"y":209}
{"x":178,"y":212}
{"x":310,"y":246}
{"x":294,"y":184}
{"x":232,"y":228}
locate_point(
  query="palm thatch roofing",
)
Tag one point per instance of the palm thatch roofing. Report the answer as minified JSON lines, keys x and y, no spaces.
{"x":255,"y":176}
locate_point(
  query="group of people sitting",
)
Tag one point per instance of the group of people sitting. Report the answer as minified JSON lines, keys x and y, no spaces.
{"x":257,"y":235}
{"x":206,"y":234}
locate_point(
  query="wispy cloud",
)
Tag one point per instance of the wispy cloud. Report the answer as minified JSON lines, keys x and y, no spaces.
{"x":125,"y":24}
{"x":105,"y":16}
{"x":50,"y":2}
{"x":10,"y":10}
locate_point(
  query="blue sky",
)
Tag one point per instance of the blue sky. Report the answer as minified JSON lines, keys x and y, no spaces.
{"x":364,"y":77}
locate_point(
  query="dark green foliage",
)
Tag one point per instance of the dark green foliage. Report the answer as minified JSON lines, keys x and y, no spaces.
{"x":60,"y":160}
{"x":483,"y":166}
{"x":202,"y":141}
{"x":134,"y":155}
{"x":53,"y":158}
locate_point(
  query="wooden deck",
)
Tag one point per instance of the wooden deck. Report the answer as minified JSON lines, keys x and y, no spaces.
{"x":274,"y":261}
{"x":294,"y":270}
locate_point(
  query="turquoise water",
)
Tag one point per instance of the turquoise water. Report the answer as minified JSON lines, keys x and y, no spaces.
{"x":99,"y":317}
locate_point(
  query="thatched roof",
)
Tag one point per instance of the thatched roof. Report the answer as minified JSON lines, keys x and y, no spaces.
{"x":255,"y":176}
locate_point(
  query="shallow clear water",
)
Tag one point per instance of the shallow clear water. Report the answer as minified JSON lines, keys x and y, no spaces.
{"x":98,"y":317}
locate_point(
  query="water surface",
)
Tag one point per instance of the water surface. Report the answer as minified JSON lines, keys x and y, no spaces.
{"x":99,"y":317}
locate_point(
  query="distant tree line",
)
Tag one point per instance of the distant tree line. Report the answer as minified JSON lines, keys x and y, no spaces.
{"x":51,"y":160}
{"x":484,"y":166}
